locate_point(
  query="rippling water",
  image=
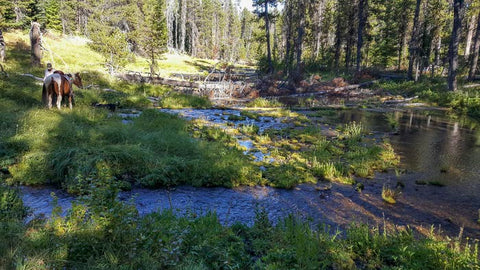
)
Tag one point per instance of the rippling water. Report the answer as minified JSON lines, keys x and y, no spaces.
{"x":433,"y":149}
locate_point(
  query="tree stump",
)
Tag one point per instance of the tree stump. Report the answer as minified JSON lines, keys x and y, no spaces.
{"x":35,"y":43}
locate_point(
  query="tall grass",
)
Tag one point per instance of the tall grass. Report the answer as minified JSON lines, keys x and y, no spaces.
{"x":264,"y":103}
{"x":69,"y":148}
{"x":105,"y":233}
{"x":464,"y":101}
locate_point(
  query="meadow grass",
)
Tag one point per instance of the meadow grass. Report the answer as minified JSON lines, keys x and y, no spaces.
{"x":264,"y":103}
{"x":72,"y":148}
{"x":463,"y":101}
{"x":89,"y":151}
{"x":104,"y":233}
{"x":308,"y":156}
{"x":73,"y":54}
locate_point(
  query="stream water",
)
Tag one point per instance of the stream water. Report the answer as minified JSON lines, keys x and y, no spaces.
{"x":440,"y":160}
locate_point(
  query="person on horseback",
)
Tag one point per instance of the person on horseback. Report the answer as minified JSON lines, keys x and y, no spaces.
{"x":49,"y":71}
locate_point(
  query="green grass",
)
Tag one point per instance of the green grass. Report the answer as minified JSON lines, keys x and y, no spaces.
{"x":69,"y":148}
{"x":264,"y":103}
{"x":103,"y":233}
{"x":72,"y":54}
{"x":308,"y":156}
{"x":72,"y":148}
{"x":89,"y":151}
{"x":389,"y":195}
{"x":464,"y":101}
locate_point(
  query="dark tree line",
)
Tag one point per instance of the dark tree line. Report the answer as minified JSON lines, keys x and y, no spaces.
{"x":422,"y":37}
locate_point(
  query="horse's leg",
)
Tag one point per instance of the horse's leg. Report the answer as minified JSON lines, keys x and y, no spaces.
{"x":58,"y":90}
{"x":50,"y":95}
{"x":70,"y":101}
{"x":59,"y":101}
{"x":44,"y":95}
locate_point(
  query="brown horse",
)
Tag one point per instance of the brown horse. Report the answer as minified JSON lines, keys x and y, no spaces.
{"x":59,"y":85}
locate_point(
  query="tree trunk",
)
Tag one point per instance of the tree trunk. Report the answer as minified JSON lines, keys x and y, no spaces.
{"x":362,"y":18}
{"x":298,"y":76}
{"x":403,"y":41}
{"x":350,"y":37}
{"x":458,"y":6}
{"x":288,"y":37}
{"x":471,"y":27}
{"x":170,"y":22}
{"x":183,"y":22}
{"x":476,"y":48}
{"x":413,"y":46}
{"x":18,"y":14}
{"x":35,"y":44}
{"x":2,"y":47}
{"x":267,"y":32}
{"x":338,"y":44}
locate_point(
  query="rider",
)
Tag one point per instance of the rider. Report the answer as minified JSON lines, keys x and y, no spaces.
{"x":48,"y":71}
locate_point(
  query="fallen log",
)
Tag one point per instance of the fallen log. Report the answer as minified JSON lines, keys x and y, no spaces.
{"x":354,"y":86}
{"x":137,"y":78}
{"x":397,"y":101}
{"x":471,"y":85}
{"x":32,"y":76}
{"x":335,"y":90}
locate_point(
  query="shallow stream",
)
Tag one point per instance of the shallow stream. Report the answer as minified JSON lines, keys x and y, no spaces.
{"x":440,"y":160}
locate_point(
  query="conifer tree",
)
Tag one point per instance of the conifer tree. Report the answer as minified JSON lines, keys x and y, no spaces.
{"x":153,"y":38}
{"x":52,"y":14}
{"x":262,"y":10}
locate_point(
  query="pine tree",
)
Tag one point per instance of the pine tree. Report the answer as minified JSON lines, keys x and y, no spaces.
{"x":52,"y":14}
{"x":154,"y":37}
{"x":262,"y":11}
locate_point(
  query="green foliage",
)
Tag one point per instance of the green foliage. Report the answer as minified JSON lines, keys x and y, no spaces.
{"x":264,"y":103}
{"x":52,"y":14}
{"x":249,"y":129}
{"x":389,"y":195}
{"x":102,"y":232}
{"x":153,"y":36}
{"x":11,"y":205}
{"x":465,"y":101}
{"x":304,"y":155}
{"x":155,"y":149}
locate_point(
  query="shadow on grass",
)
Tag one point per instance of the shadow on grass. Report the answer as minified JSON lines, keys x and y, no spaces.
{"x":200,"y":65}
{"x":73,"y":149}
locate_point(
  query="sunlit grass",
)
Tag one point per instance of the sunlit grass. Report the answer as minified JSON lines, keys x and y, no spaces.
{"x":72,"y":54}
{"x":103,"y":232}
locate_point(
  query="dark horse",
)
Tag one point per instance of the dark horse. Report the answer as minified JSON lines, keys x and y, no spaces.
{"x":59,"y":85}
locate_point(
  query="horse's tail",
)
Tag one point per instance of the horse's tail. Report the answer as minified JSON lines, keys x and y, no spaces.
{"x":44,"y":95}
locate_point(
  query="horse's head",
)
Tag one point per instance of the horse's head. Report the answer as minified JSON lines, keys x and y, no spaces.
{"x":77,"y":80}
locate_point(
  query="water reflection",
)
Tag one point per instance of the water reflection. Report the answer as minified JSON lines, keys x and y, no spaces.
{"x":433,"y":147}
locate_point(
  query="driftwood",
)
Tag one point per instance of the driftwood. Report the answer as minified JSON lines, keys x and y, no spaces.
{"x":472,"y":85}
{"x":335,"y":90}
{"x":354,"y":86}
{"x":396,"y":101}
{"x":138,"y":78}
{"x":32,"y":76}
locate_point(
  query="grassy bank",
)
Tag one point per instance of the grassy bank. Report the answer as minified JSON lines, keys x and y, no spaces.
{"x":464,"y":101}
{"x":104,"y":233}
{"x":72,"y":149}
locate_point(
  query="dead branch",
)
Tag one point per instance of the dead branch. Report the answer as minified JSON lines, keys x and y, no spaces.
{"x":32,"y":76}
